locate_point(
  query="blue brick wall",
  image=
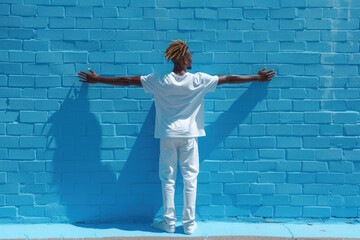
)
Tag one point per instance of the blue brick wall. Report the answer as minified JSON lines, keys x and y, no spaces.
{"x":72,"y":152}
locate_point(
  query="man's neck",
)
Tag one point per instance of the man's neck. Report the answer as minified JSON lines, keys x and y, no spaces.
{"x":179,"y":70}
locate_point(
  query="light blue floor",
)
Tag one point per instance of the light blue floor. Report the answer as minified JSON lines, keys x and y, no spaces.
{"x":205,"y":229}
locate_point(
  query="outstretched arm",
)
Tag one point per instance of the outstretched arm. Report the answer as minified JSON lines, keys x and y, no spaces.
{"x":261,"y":77}
{"x":121,"y":81}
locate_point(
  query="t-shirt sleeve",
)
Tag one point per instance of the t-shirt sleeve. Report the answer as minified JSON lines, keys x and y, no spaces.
{"x":209,"y":82}
{"x":148,"y":82}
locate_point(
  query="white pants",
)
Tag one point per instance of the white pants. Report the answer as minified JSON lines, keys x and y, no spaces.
{"x":184,"y":151}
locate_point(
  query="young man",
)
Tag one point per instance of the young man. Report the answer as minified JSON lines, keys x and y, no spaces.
{"x":179,"y":104}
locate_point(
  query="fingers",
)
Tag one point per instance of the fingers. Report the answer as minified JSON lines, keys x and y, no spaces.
{"x":262,"y":69}
{"x":82,"y":75}
{"x":91,"y":70}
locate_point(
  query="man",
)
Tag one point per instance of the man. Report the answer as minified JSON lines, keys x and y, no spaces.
{"x":179,"y":104}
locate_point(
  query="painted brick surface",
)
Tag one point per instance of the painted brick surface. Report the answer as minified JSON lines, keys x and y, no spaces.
{"x":72,"y":152}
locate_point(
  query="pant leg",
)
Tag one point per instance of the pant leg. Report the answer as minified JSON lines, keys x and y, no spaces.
{"x":189,"y":166}
{"x":167,"y":174}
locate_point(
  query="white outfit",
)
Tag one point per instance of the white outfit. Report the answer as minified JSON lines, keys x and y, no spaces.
{"x":179,"y":104}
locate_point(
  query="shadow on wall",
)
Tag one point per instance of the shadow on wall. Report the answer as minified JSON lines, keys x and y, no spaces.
{"x":92,"y":190}
{"x":218,"y":131}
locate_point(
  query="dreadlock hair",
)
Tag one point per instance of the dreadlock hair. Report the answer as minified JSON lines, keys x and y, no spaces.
{"x":176,"y":50}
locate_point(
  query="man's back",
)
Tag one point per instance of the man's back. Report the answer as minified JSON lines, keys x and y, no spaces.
{"x":179,"y":102}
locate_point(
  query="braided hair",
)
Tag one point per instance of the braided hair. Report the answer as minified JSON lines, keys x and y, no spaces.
{"x":176,"y":50}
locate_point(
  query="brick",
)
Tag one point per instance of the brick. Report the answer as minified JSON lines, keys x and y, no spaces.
{"x":78,"y":11}
{"x":141,"y":24}
{"x":50,"y":11}
{"x":316,"y":142}
{"x":352,"y":201}
{"x":101,"y":57}
{"x":21,"y":154}
{"x":214,"y":211}
{"x":4,"y":9}
{"x":10,"y":44}
{"x":351,"y":129}
{"x":20,"y":81}
{"x":318,"y":24}
{"x":317,"y":117}
{"x":222,"y":177}
{"x":236,"y":188}
{"x":262,"y":142}
{"x":345,"y":190}
{"x":345,"y":142}
{"x":152,"y":57}
{"x":314,"y":167}
{"x":286,"y":188}
{"x":304,"y":154}
{"x":292,"y":24}
{"x":47,"y":57}
{"x":239,"y":24}
{"x":96,"y":23}
{"x":330,"y":200}
{"x":282,"y":13}
{"x":206,"y":13}
{"x":229,"y":13}
{"x":321,"y":3}
{"x":213,"y":188}
{"x":229,"y":35}
{"x":265,"y":117}
{"x":344,"y":212}
{"x":256,"y":36}
{"x":10,"y":21}
{"x":20,"y":200}
{"x":348,"y":47}
{"x":255,"y":13}
{"x":22,"y":56}
{"x":245,"y":154}
{"x":272,"y":153}
{"x":33,"y":45}
{"x":346,"y":167}
{"x":279,"y":105}
{"x":266,"y":46}
{"x":341,"y":70}
{"x":246,"y":177}
{"x":291,"y":117}
{"x":21,"y":104}
{"x":272,"y":177}
{"x":281,"y":199}
{"x":292,"y":46}
{"x":231,"y":211}
{"x":248,"y":199}
{"x":166,"y":24}
{"x":261,"y":166}
{"x":310,"y":211}
{"x":204,"y":35}
{"x":288,"y":211}
{"x":185,"y":24}
{"x":288,"y":142}
{"x":3,"y":180}
{"x":8,"y":211}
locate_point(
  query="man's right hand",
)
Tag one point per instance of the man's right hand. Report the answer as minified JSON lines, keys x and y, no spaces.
{"x":266,"y":76}
{"x":89,"y":78}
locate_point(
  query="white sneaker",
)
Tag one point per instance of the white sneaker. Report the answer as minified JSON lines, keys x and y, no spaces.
{"x":190,"y":229}
{"x":164,"y":226}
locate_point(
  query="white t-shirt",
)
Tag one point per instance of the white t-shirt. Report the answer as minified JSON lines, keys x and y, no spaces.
{"x":179,"y":102}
